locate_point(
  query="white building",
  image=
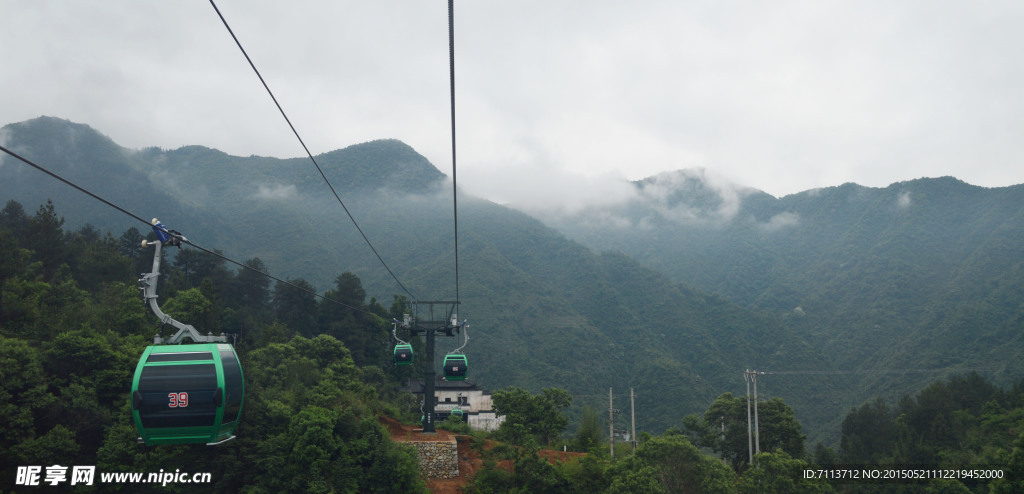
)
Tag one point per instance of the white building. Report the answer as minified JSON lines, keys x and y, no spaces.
{"x":475,"y":403}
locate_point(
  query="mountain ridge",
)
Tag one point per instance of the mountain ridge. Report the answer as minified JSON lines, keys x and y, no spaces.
{"x":553,"y":302}
{"x":543,"y":309}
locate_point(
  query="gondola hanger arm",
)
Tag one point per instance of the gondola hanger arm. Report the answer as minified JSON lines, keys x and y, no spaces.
{"x":148,"y":283}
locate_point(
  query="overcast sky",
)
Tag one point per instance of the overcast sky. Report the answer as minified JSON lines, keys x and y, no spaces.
{"x":554,"y":98}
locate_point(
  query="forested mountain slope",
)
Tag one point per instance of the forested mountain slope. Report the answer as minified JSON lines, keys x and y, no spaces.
{"x":544,"y":311}
{"x":889,"y":282}
{"x":547,"y":311}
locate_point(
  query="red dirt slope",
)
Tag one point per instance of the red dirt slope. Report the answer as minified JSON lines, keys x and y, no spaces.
{"x":469,"y":461}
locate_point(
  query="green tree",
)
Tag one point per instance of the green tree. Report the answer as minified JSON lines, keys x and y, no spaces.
{"x":454,"y":423}
{"x":1013,"y":476}
{"x":777,"y":424}
{"x":673,"y":464}
{"x":589,"y":435}
{"x":308,"y":410}
{"x":868,"y":433}
{"x":86,"y":357}
{"x":116,"y":307}
{"x":13,"y":217}
{"x":129,"y":245}
{"x":643,"y":480}
{"x":701,"y":432}
{"x":197,"y":266}
{"x":23,"y":394}
{"x":491,"y":480}
{"x":589,"y":473}
{"x":39,"y":310}
{"x":530,"y":474}
{"x":345,"y":317}
{"x":252,"y":289}
{"x":19,"y":306}
{"x":825,"y":456}
{"x":95,"y":260}
{"x":946,"y":486}
{"x":527,"y":415}
{"x":92,"y":412}
{"x":779,"y":472}
{"x":13,"y":259}
{"x":190,"y":307}
{"x":296,"y":308}
{"x":533,"y":474}
{"x":44,"y":236}
{"x":58,"y":442}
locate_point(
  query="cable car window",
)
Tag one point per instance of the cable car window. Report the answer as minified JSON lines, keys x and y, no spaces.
{"x":178,"y":395}
{"x":178,"y":357}
{"x":233,"y":385}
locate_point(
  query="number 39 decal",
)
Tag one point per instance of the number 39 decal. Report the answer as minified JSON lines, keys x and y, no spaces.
{"x":178,"y":400}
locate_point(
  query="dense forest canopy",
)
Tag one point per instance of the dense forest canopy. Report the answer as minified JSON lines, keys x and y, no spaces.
{"x":319,"y":377}
{"x":72,"y":327}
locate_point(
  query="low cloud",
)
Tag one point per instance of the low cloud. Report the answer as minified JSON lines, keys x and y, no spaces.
{"x":680,"y":197}
{"x":545,"y":192}
{"x":903,"y":199}
{"x":276,"y":192}
{"x":683,"y":195}
{"x":780,"y":221}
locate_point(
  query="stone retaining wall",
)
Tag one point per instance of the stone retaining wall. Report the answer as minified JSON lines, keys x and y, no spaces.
{"x":438,"y":459}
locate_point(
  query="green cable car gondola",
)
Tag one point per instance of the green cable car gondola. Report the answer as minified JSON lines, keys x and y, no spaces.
{"x":455,"y":367}
{"x":403,"y":354}
{"x":457,"y":412}
{"x":185,"y":394}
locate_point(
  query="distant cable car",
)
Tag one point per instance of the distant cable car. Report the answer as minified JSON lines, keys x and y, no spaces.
{"x":403,"y":354}
{"x":455,"y":367}
{"x":187,"y":394}
{"x":457,"y":412}
{"x":403,"y":350}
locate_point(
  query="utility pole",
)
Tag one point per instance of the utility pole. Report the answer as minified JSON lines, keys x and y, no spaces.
{"x":611,"y":425}
{"x":430,"y":327}
{"x":750,"y":443}
{"x":755,"y":446}
{"x":757,"y":423}
{"x":632,"y":418}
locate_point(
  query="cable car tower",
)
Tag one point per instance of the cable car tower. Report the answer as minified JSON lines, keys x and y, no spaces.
{"x":431,"y":319}
{"x":439,"y":317}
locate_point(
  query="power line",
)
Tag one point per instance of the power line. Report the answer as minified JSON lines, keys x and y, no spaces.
{"x":183,"y":239}
{"x":880,"y":371}
{"x":308,"y":153}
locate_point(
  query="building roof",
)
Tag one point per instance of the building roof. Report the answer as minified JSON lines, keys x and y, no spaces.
{"x":440,"y":384}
